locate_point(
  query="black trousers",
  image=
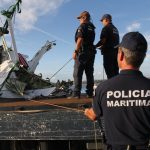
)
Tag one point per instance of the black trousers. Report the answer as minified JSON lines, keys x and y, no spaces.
{"x":84,"y":64}
{"x":110,"y":64}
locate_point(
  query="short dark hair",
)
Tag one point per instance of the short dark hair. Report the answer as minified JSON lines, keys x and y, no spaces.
{"x":134,"y":58}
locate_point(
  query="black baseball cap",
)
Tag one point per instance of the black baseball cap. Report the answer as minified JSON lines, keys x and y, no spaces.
{"x":84,"y":13}
{"x":134,"y":41}
{"x":106,"y":16}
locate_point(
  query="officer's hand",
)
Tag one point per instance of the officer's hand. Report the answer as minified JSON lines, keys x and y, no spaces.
{"x":74,"y":56}
{"x":90,"y":114}
{"x":95,"y":47}
{"x":99,"y":47}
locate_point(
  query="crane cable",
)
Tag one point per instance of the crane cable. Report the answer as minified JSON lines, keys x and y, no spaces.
{"x":61,"y":68}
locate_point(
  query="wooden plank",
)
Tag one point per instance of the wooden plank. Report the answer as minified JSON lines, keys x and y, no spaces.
{"x":44,"y":104}
{"x":61,"y":101}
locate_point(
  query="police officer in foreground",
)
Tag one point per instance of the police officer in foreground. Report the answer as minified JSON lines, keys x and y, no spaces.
{"x":84,"y":55}
{"x":124,"y":101}
{"x":109,"y":38}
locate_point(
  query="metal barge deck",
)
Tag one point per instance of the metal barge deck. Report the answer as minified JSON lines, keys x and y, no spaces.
{"x":39,"y":121}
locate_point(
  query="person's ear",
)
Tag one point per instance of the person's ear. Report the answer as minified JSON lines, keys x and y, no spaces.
{"x":121,"y":55}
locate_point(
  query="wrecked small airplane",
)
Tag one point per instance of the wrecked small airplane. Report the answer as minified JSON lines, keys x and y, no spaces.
{"x":17,"y":77}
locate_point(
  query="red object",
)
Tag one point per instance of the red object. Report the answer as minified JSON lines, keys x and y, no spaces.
{"x":23,"y":61}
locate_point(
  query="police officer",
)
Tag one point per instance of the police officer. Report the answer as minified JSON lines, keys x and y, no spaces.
{"x":124,"y":101}
{"x":108,"y":39}
{"x":84,"y":54}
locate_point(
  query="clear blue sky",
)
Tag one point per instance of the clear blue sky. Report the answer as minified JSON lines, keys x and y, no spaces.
{"x":43,"y":20}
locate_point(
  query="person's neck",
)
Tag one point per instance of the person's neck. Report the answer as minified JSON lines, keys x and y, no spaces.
{"x":129,"y":68}
{"x":84,"y":21}
{"x":107,"y":23}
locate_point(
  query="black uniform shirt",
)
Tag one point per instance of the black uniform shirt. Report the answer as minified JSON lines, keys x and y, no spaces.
{"x":87,"y":32}
{"x":111,"y":35}
{"x":124,"y":102}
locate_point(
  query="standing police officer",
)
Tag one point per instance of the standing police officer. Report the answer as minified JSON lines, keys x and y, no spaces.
{"x":109,"y":38}
{"x":124,"y":101}
{"x":84,"y":55}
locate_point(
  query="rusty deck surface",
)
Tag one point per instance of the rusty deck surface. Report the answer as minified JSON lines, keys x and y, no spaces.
{"x":40,"y":121}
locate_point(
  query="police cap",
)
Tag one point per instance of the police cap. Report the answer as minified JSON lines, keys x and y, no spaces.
{"x":84,"y":14}
{"x":134,"y":41}
{"x":106,"y":16}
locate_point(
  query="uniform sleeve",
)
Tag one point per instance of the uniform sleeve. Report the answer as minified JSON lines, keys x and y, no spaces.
{"x":103,"y":36}
{"x":97,"y":103}
{"x":104,"y":33}
{"x":80,"y":32}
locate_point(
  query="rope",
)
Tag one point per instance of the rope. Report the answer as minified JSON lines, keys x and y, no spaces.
{"x":95,"y":136}
{"x":4,"y":44}
{"x":128,"y":147}
{"x":61,"y":68}
{"x":63,"y":107}
{"x":49,"y":104}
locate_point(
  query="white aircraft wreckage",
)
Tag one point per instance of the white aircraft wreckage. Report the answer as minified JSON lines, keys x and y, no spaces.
{"x":17,"y":77}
